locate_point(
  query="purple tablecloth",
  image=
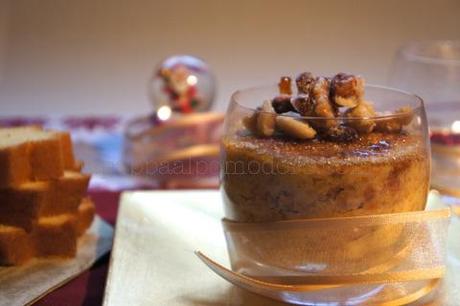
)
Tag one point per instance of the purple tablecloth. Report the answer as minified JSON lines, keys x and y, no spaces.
{"x":88,"y":288}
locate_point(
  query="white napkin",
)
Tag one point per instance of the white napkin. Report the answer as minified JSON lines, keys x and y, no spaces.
{"x":26,"y":284}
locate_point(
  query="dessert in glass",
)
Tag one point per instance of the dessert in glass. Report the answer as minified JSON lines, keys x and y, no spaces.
{"x":320,"y":149}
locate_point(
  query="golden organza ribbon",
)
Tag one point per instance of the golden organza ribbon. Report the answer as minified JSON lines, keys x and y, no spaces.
{"x":271,"y":289}
{"x":405,"y":252}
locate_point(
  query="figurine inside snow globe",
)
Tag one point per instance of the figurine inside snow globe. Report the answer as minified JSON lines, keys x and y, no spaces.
{"x":177,"y":145}
{"x":182,"y":84}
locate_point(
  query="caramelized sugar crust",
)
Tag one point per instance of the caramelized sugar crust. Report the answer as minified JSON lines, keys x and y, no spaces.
{"x":269,"y":179}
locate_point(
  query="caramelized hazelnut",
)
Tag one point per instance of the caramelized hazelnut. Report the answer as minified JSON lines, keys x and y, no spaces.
{"x":347,"y":89}
{"x":282,"y":104}
{"x":304,"y":82}
{"x":285,"y":86}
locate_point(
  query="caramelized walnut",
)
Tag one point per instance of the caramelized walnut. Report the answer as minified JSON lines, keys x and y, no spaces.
{"x":282,"y":104}
{"x":302,"y":104}
{"x":319,"y":97}
{"x":347,"y":90}
{"x":364,"y":111}
{"x":266,"y":119}
{"x":304,"y":82}
{"x":285,"y":86}
{"x":320,"y":87}
{"x":295,"y":128}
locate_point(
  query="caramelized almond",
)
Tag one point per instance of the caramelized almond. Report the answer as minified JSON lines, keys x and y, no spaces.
{"x":295,"y":128}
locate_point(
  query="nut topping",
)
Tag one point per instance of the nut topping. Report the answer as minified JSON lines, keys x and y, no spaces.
{"x":403,"y":116}
{"x":347,"y":90}
{"x":302,"y":104}
{"x":282,"y":104}
{"x":322,"y":105}
{"x":295,"y":128}
{"x":304,"y":82}
{"x":250,"y":122}
{"x":407,"y":115}
{"x":285,"y":86}
{"x":321,"y":99}
{"x":364,"y":110}
{"x":320,"y":87}
{"x":266,"y":119}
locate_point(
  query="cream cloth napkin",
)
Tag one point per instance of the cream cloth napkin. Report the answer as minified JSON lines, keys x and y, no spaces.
{"x":153,"y":261}
{"x":25,"y":284}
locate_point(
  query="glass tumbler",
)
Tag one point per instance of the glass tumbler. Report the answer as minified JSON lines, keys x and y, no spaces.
{"x":268,"y":180}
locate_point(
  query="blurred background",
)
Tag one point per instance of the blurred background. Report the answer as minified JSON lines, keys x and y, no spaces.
{"x":95,"y":57}
{"x":87,"y":67}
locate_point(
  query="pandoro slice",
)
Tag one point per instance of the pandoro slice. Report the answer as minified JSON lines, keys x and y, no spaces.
{"x":86,"y":213}
{"x":54,"y":236}
{"x":22,"y":206}
{"x":66,"y":194}
{"x":68,"y":158}
{"x":31,"y":153}
{"x":15,"y":246}
{"x":51,"y":237}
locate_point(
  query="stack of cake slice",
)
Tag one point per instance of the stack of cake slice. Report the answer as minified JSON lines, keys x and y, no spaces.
{"x":43,"y":208}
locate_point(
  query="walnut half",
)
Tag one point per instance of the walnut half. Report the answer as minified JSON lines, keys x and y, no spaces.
{"x":361,"y":117}
{"x":347,"y":89}
{"x":323,"y":107}
{"x":304,"y":82}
